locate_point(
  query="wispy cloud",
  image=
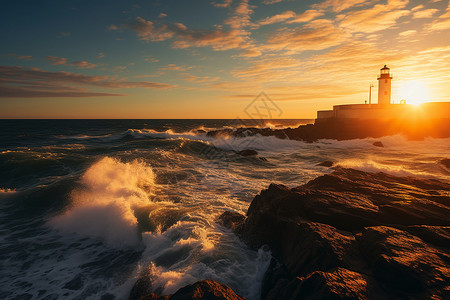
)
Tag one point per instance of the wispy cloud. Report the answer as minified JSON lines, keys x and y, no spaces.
{"x":33,"y":82}
{"x":379,"y":17}
{"x":22,"y":57}
{"x":83,"y":64}
{"x":55,"y":60}
{"x":225,"y":3}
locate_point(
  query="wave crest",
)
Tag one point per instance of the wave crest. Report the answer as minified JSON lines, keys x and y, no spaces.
{"x":104,"y":207}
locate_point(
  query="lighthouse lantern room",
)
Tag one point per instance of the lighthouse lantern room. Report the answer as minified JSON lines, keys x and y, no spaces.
{"x":384,"y":86}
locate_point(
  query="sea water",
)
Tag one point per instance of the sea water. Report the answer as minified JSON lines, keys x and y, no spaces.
{"x":87,"y":206}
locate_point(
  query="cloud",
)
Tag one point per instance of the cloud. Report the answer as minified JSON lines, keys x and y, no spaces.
{"x":407,"y":33}
{"x":278,"y":18}
{"x":292,"y":17}
{"x":443,"y":22}
{"x":250,"y":53}
{"x":235,"y":35}
{"x":225,"y":3}
{"x":22,"y":57}
{"x":426,"y":13}
{"x":33,"y":82}
{"x":306,"y":16}
{"x":316,"y":35}
{"x":339,"y":5}
{"x":54,"y":60}
{"x":272,"y":1}
{"x":174,"y":67}
{"x":268,"y":69}
{"x":83,"y":64}
{"x":147,"y":30}
{"x":199,"y":79}
{"x":241,"y":16}
{"x":379,"y":17}
{"x":162,"y":15}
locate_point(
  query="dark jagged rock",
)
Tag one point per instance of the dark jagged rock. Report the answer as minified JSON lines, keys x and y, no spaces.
{"x":247,"y":152}
{"x":378,"y":144}
{"x":231,"y":219}
{"x":347,"y":129}
{"x":405,"y":262}
{"x":200,"y":131}
{"x":445,"y":162}
{"x":327,"y":163}
{"x":141,"y":288}
{"x":204,"y":290}
{"x":352,"y":235}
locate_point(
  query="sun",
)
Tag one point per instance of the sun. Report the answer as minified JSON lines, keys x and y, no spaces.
{"x":414,"y":92}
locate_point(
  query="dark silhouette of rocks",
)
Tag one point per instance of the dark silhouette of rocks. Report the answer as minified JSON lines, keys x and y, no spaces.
{"x":352,"y":235}
{"x":342,"y":129}
{"x":378,"y":144}
{"x":204,"y":290}
{"x":327,"y":163}
{"x":247,"y":152}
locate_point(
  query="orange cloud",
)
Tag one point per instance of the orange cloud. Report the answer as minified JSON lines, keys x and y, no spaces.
{"x":316,"y":35}
{"x":83,"y":64}
{"x":54,"y":60}
{"x":226,"y":3}
{"x":379,"y":17}
{"x":443,"y":22}
{"x":339,"y":5}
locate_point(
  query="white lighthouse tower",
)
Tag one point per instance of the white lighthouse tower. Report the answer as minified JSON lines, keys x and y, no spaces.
{"x":384,"y":86}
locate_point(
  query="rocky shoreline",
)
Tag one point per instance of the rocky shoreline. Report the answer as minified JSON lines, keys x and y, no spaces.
{"x":348,"y":129}
{"x":352,"y":235}
{"x":345,"y":235}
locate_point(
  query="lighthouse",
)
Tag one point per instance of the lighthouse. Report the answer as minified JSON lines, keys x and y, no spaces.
{"x":384,"y":86}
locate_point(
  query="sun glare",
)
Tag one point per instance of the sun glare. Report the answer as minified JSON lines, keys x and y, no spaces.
{"x":414,"y":92}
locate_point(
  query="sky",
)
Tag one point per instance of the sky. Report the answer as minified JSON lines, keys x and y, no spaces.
{"x":207,"y":59}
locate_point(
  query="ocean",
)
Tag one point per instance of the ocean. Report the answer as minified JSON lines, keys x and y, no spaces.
{"x":87,"y":206}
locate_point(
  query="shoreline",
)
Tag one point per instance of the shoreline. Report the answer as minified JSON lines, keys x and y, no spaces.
{"x":348,"y":234}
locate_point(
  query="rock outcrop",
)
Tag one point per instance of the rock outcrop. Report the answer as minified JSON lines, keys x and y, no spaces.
{"x":247,"y":152}
{"x":352,"y":235}
{"x":201,"y":290}
{"x":327,"y":163}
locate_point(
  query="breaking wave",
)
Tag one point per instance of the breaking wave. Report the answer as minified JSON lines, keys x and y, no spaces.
{"x":105,"y":204}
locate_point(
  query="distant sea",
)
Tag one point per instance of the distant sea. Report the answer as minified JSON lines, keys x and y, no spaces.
{"x":86,"y":206}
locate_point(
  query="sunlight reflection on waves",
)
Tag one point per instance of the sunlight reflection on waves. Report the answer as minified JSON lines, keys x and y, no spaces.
{"x":121,"y":204}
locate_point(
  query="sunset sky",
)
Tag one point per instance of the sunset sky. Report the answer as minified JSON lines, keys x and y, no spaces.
{"x":209,"y":59}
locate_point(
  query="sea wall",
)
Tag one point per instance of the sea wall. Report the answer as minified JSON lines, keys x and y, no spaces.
{"x":347,"y":129}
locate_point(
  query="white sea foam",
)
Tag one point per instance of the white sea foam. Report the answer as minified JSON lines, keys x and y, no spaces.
{"x":104,"y":206}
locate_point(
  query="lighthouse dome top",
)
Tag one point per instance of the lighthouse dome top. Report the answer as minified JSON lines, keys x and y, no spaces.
{"x":385,"y":68}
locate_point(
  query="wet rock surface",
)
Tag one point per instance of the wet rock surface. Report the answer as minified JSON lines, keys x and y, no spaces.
{"x":327,"y":163}
{"x":205,"y":290}
{"x":247,"y":152}
{"x":352,"y":235}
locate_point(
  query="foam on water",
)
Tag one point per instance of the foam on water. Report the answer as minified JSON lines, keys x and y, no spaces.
{"x":158,"y":214}
{"x":104,"y":206}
